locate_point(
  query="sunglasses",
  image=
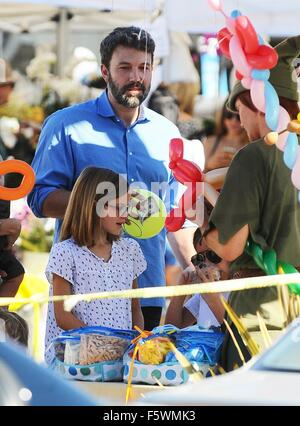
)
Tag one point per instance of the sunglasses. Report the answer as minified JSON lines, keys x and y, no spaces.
{"x":199,"y":258}
{"x":231,"y":115}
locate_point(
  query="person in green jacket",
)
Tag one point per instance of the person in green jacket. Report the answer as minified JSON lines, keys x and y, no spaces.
{"x":259,"y":202}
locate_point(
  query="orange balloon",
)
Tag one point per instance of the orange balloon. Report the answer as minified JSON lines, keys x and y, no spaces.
{"x":17,"y":166}
{"x":294,"y":126}
{"x":271,"y":138}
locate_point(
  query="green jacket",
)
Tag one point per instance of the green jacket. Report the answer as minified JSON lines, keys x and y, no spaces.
{"x":258,"y":191}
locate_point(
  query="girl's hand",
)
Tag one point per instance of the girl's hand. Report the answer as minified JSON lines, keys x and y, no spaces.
{"x":208,"y":274}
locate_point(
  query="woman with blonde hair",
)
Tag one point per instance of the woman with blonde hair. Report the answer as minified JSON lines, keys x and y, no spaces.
{"x":91,"y":257}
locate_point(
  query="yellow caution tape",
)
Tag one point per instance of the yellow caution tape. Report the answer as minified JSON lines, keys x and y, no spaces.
{"x":165,"y":291}
{"x":147,"y":292}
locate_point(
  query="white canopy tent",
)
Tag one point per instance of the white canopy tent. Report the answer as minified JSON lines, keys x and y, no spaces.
{"x":270,"y":17}
{"x":67,"y":16}
{"x":33,"y":15}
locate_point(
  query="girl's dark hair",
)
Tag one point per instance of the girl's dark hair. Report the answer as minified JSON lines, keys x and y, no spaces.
{"x":128,"y":37}
{"x":291,"y":106}
{"x":220,"y":120}
{"x":221,"y":115}
{"x":15,"y":326}
{"x":197,"y":238}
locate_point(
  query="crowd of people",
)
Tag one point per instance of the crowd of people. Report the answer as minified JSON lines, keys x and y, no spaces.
{"x":95,"y":144}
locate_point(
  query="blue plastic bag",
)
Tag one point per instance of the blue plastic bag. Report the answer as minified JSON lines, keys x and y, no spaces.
{"x":200,"y":346}
{"x":99,"y":371}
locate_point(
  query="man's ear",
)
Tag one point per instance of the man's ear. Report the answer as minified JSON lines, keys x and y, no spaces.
{"x":104,"y":72}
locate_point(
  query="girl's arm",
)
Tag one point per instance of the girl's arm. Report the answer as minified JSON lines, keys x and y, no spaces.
{"x":213,"y":300}
{"x":137,"y":315}
{"x":177,"y":314}
{"x":65,"y":320}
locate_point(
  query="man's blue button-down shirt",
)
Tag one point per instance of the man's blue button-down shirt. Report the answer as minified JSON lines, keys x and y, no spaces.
{"x":91,"y":134}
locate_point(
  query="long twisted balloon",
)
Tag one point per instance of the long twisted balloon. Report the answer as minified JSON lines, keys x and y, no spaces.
{"x":252,"y":60}
{"x":268,"y":262}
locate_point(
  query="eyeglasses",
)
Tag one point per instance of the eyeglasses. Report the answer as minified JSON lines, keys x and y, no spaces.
{"x":199,"y":258}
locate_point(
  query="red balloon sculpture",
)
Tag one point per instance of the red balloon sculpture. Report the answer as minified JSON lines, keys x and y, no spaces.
{"x":188,"y":173}
{"x":257,"y":56}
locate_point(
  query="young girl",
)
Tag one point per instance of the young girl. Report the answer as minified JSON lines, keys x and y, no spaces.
{"x":206,"y":309}
{"x":91,"y":257}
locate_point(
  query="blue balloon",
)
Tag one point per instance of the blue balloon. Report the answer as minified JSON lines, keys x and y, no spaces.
{"x":272,"y":106}
{"x":260,"y":74}
{"x":298,"y":197}
{"x":260,"y":40}
{"x":235,"y":14}
{"x":290,"y":150}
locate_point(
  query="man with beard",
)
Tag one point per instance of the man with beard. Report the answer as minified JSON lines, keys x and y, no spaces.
{"x":118,"y":132}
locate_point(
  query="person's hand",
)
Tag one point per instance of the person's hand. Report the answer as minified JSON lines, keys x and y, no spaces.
{"x":188,"y":275}
{"x":208,"y":274}
{"x":11,"y":241}
{"x":220,"y":159}
{"x":10,"y":228}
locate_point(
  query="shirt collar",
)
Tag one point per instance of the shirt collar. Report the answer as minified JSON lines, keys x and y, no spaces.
{"x":105,"y":109}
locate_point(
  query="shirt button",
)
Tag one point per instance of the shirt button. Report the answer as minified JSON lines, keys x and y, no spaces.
{"x":132,"y":180}
{"x":130,"y":153}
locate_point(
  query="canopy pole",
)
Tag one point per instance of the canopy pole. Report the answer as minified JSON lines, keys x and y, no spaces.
{"x":1,"y":44}
{"x":62,"y":41}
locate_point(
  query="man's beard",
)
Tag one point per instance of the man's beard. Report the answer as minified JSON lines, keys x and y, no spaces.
{"x":130,"y":101}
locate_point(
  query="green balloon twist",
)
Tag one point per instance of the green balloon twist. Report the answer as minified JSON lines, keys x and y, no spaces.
{"x":267,"y":261}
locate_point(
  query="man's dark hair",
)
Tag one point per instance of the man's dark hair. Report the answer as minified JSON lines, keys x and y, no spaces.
{"x":133,"y":37}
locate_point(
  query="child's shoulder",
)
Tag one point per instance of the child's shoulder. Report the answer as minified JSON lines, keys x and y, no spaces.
{"x":68,"y":245}
{"x":128,"y":243}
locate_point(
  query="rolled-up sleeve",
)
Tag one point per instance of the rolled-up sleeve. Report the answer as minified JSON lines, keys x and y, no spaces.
{"x":53,"y":163}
